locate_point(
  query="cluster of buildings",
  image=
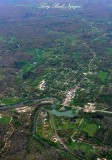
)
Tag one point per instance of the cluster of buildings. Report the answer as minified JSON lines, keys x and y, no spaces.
{"x":42,"y":85}
{"x":43,"y":117}
{"x":23,"y":109}
{"x":89,"y":108}
{"x":54,"y":139}
{"x":69,"y":96}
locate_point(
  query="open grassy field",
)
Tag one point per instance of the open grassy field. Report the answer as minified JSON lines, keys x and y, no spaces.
{"x":4,"y":119}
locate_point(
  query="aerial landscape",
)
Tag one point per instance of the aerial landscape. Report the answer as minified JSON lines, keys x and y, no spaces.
{"x":56,"y":79}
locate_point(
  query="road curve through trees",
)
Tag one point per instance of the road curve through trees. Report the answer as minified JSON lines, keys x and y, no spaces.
{"x":39,"y":103}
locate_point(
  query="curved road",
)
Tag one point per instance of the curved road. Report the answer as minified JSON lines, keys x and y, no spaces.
{"x":40,"y":102}
{"x":53,"y":101}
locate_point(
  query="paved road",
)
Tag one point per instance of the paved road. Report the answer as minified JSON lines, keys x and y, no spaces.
{"x":53,"y":101}
{"x":40,"y":102}
{"x":94,"y":55}
{"x":61,"y":141}
{"x":102,"y":111}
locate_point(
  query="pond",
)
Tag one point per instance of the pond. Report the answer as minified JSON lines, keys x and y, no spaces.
{"x":60,"y":114}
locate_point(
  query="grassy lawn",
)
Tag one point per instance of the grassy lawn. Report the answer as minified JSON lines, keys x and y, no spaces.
{"x":68,"y":126}
{"x":102,"y":75}
{"x":27,"y":67}
{"x":90,"y":129}
{"x":4,"y":119}
{"x":87,"y":148}
{"x":39,"y":131}
{"x":10,"y":101}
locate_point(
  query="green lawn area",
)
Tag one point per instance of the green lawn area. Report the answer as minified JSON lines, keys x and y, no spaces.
{"x":87,"y":148}
{"x":39,"y":131}
{"x":27,"y":67}
{"x":4,"y":119}
{"x":83,"y":147}
{"x":102,"y":75}
{"x":38,"y":57}
{"x":10,"y":101}
{"x":90,"y":129}
{"x":68,"y":126}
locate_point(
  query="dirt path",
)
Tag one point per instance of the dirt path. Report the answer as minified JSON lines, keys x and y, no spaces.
{"x":76,"y":130}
